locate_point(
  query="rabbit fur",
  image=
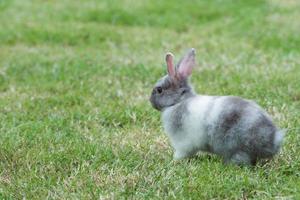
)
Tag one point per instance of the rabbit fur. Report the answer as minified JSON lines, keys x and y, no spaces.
{"x":236,"y":129}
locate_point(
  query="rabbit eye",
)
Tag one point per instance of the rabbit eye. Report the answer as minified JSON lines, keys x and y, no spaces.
{"x":159,"y":90}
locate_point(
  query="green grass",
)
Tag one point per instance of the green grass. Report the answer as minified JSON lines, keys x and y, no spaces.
{"x":75,"y":78}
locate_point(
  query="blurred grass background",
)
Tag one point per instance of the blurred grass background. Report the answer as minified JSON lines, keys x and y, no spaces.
{"x":75,"y":77}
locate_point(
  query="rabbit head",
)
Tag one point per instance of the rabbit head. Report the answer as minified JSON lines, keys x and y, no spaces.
{"x":174,"y":87}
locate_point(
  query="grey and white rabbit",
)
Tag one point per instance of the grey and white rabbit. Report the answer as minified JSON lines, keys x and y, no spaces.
{"x":234,"y":128}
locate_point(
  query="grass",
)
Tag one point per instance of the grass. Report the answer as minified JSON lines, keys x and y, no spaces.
{"x":75,"y":77}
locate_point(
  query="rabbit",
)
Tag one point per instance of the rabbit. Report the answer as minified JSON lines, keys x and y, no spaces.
{"x":234,"y":128}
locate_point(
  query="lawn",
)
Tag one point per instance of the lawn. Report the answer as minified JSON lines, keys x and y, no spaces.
{"x":76,"y":76}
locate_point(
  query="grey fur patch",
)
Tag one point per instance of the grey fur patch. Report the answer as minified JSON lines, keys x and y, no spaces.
{"x":230,"y":120}
{"x":234,"y":108}
{"x":261,"y":137}
{"x":178,"y":115}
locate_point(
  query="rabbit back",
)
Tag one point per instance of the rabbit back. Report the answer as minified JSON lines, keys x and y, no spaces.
{"x":242,"y":126}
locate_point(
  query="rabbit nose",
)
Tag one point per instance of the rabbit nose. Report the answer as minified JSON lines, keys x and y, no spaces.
{"x":153,"y":103}
{"x":153,"y":91}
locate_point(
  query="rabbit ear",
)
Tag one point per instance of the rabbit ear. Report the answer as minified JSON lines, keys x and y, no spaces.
{"x":170,"y":65}
{"x":186,"y":64}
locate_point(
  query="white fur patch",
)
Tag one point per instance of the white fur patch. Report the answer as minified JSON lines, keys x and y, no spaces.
{"x":192,"y":136}
{"x":214,"y":112}
{"x":279,"y":135}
